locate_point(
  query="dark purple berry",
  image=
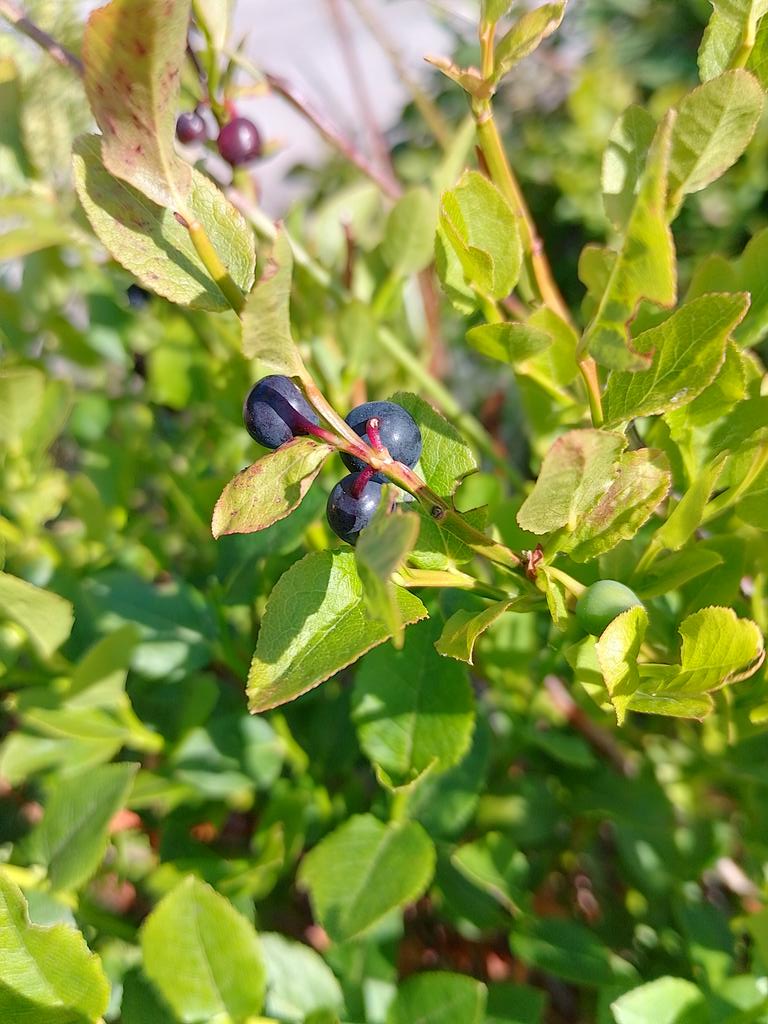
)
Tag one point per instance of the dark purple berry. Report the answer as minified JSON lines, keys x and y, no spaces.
{"x":275,"y":411}
{"x":350,"y":508}
{"x":239,"y":141}
{"x":190,"y":127}
{"x":397,"y":429}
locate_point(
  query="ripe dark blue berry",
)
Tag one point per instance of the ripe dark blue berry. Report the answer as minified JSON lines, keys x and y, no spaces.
{"x":190,"y":127}
{"x":137,"y":296}
{"x":397,"y":429}
{"x":276,"y":411}
{"x":239,"y":141}
{"x":350,"y":507}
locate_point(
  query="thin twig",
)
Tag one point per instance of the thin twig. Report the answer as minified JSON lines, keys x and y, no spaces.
{"x":13,"y":13}
{"x":356,"y":75}
{"x":426,"y":106}
{"x":333,"y":136}
{"x":600,"y":740}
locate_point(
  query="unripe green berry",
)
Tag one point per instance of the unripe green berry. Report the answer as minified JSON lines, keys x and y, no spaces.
{"x":601,"y":603}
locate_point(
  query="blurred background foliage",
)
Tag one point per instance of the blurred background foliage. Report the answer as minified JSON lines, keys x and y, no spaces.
{"x":120,"y":421}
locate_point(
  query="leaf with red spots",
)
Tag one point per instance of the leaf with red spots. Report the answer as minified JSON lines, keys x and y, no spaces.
{"x":149,"y":242}
{"x":133,"y":51}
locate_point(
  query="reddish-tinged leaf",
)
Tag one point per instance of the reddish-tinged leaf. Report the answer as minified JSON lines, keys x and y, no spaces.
{"x":270,"y":489}
{"x":133,"y":51}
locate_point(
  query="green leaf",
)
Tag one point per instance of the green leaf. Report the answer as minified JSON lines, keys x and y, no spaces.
{"x":623,"y":163}
{"x":267,"y":316}
{"x":751,"y":277}
{"x":47,"y":975}
{"x":494,"y":10}
{"x":141,"y":1001}
{"x":576,"y":470}
{"x":72,"y":837}
{"x":215,"y":15}
{"x":175,"y":624}
{"x":270,"y":489}
{"x":556,"y":595}
{"x":671,"y":573}
{"x":149,"y":242}
{"x":717,"y":649}
{"x":409,"y":237}
{"x":571,"y":951}
{"x":437,"y":997}
{"x":757,"y":62}
{"x":381,"y":550}
{"x":22,"y":390}
{"x":494,"y":864}
{"x":713,"y":128}
{"x":731,"y":26}
{"x":45,"y":617}
{"x":526,"y":35}
{"x":617,"y":651}
{"x":557,"y":363}
{"x":685,"y":518}
{"x":364,"y":870}
{"x":482,"y":229}
{"x":688,"y":350}
{"x":644,"y":267}
{"x":446,"y":459}
{"x":411,"y":709}
{"x":642,"y":481}
{"x":298,"y":980}
{"x":509,"y":342}
{"x":204,"y":957}
{"x":133,"y":54}
{"x":445,"y":456}
{"x":461,"y":631}
{"x":315,"y":624}
{"x":513,"y":1004}
{"x":664,"y":1001}
{"x":14,"y":166}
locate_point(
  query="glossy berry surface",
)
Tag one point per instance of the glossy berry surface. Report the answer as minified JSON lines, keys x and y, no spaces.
{"x":190,"y":127}
{"x":274,"y":411}
{"x":349,"y":513}
{"x":397,"y":429}
{"x":599,"y":605}
{"x":239,"y":141}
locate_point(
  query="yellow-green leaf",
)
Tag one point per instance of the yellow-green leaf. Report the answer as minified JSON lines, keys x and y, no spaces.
{"x":47,"y":975}
{"x":577,"y":469}
{"x":713,"y":128}
{"x":133,"y":51}
{"x":270,"y":489}
{"x":148,"y":240}
{"x":644,"y":267}
{"x":45,"y":617}
{"x":267,"y":317}
{"x":686,"y":350}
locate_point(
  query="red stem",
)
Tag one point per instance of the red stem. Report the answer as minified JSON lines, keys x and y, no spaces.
{"x":362,"y":481}
{"x":372,"y":430}
{"x":304,"y":426}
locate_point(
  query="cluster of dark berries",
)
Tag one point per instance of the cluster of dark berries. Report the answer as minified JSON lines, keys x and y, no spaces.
{"x":275,"y":411}
{"x":238,"y":141}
